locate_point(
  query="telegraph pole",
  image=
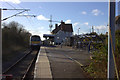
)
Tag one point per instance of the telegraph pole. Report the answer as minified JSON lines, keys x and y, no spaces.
{"x":111,"y":40}
{"x":92,"y":29}
{"x":50,"y":23}
{"x":78,"y":30}
{"x":0,"y":46}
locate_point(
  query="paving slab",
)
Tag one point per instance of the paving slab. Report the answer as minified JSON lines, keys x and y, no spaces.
{"x":66,"y":63}
{"x":42,"y":66}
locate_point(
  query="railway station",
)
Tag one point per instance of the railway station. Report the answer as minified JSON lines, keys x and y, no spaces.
{"x":63,"y":40}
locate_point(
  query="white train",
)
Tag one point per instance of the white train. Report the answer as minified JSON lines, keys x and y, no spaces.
{"x":35,"y":42}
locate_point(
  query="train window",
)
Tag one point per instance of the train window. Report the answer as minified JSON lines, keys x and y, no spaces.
{"x":35,"y":39}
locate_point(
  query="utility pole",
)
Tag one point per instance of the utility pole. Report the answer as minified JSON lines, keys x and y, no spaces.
{"x":1,"y":31}
{"x":0,"y":46}
{"x":1,"y":34}
{"x":111,"y":39}
{"x":92,"y":29}
{"x":78,"y":30}
{"x":50,"y":23}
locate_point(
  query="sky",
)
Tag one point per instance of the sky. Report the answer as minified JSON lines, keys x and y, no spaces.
{"x":81,"y":15}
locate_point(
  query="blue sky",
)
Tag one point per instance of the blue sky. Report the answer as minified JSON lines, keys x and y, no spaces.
{"x":82,"y":15}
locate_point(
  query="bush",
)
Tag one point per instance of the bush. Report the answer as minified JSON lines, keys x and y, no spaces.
{"x":98,"y":66}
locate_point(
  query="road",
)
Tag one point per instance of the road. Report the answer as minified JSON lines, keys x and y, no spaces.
{"x":66,"y":62}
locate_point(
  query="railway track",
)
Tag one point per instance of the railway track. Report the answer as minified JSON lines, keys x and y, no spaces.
{"x":20,"y":69}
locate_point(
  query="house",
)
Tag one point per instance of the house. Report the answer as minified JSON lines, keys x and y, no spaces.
{"x":62,"y":32}
{"x":117,"y":23}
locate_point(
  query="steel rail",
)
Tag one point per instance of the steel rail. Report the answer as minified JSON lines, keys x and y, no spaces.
{"x":28,"y":69}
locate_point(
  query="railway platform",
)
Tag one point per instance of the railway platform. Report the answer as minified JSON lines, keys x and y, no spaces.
{"x":56,"y":63}
{"x":42,"y":66}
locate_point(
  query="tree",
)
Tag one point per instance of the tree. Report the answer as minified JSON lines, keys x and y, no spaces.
{"x":13,"y":36}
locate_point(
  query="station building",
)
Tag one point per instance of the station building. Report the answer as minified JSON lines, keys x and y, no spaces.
{"x":60,"y":33}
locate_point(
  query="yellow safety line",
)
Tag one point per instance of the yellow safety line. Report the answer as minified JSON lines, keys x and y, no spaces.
{"x":76,"y":61}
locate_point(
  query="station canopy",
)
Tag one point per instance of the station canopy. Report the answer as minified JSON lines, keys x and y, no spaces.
{"x":48,"y":35}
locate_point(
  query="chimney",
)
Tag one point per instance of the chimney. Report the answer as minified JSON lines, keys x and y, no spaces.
{"x":62,"y":22}
{"x":56,"y":26}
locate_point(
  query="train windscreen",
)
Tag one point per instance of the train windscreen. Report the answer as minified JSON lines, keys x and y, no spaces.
{"x":35,"y":38}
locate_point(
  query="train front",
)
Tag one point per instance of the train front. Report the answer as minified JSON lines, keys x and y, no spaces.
{"x":35,"y":42}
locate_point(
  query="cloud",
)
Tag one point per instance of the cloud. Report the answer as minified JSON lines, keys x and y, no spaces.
{"x":39,"y":31}
{"x":40,"y":7}
{"x":101,"y":27}
{"x":102,"y":13}
{"x":75,"y":24}
{"x":13,"y":1}
{"x":84,"y":12}
{"x":86,"y":23}
{"x":68,"y":21}
{"x":41,"y":17}
{"x":96,"y":12}
{"x":41,"y":27}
